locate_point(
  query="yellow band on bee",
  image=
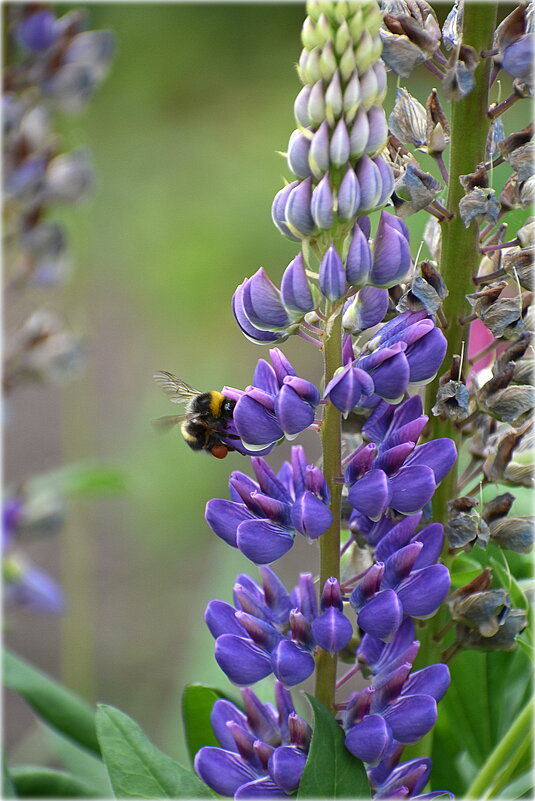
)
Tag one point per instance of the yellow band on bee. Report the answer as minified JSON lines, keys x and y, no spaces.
{"x":216,"y":402}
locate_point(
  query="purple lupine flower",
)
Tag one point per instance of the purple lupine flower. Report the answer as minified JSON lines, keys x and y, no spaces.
{"x":27,"y":585}
{"x":263,"y":751}
{"x":407,"y":583}
{"x":398,"y":707}
{"x":278,"y":210}
{"x":279,"y":403}
{"x":263,"y":516}
{"x":269,"y":630}
{"x":348,"y":387}
{"x":407,"y":350}
{"x":296,"y":291}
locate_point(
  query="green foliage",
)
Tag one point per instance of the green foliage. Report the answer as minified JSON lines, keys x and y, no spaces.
{"x":60,"y":708}
{"x":197,"y":703}
{"x":331,"y":771}
{"x":137,"y":769}
{"x":37,"y":782}
{"x":487,"y":692}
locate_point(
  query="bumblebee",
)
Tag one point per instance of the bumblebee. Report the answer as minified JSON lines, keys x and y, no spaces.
{"x":206,"y":418}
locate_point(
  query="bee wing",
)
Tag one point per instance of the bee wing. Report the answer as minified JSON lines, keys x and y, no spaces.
{"x":167,"y":422}
{"x":176,"y":390}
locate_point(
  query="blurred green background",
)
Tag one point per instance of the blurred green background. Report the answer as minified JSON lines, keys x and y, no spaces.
{"x":184,"y":134}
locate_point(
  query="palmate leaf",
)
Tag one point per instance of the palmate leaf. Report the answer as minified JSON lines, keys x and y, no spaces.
{"x":331,"y":771}
{"x":37,"y":782}
{"x":137,"y":769}
{"x":57,"y":706}
{"x":197,"y":703}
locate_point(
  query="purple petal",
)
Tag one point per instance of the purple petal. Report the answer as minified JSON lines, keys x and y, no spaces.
{"x":433,"y":680}
{"x":245,"y":324}
{"x":297,"y":210}
{"x":392,"y":459}
{"x":278,"y":214}
{"x":411,"y":717}
{"x":371,"y":494}
{"x":222,"y":712}
{"x":38,"y":31}
{"x":260,"y":631}
{"x":387,"y":179}
{"x":432,"y":539}
{"x":359,"y":258}
{"x":243,"y":662}
{"x":391,"y":377}
{"x":268,"y":481}
{"x":426,"y":355}
{"x":221,"y":619}
{"x":423,"y":591}
{"x":381,"y":616}
{"x":298,"y":149}
{"x":391,"y":258}
{"x":260,"y":788}
{"x":518,"y":57}
{"x":223,"y":771}
{"x":264,"y":377}
{"x":292,"y":663}
{"x":254,"y":423}
{"x":339,"y":146}
{"x":293,"y":414}
{"x":347,"y":387}
{"x":369,"y":739}
{"x":276,"y":595}
{"x":310,"y":516}
{"x":411,"y":776}
{"x":263,"y":542}
{"x":332,"y":275}
{"x":370,"y":183}
{"x":332,"y":630}
{"x":262,"y":302}
{"x":399,"y":565}
{"x":301,"y":107}
{"x":305,"y":389}
{"x":348,"y":195}
{"x":319,"y":150}
{"x":286,"y":766}
{"x":224,"y":517}
{"x":281,"y":365}
{"x":411,"y":489}
{"x":439,"y":454}
{"x":295,"y":288}
{"x":397,"y":537}
{"x":370,"y":306}
{"x":321,"y":205}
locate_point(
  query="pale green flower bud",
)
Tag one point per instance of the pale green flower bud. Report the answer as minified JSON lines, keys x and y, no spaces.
{"x":301,"y":66}
{"x":368,"y":89}
{"x":327,"y":62}
{"x":316,"y":104}
{"x":373,"y":19}
{"x":347,"y":63}
{"x":364,"y":57}
{"x":382,"y":85}
{"x":301,"y":107}
{"x":356,"y":25}
{"x":351,"y":100}
{"x":309,"y":35}
{"x":324,"y":32}
{"x":312,"y":69}
{"x":341,"y":10}
{"x":342,"y":38}
{"x":334,"y":99}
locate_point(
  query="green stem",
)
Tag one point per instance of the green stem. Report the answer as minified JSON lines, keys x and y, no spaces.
{"x":504,"y":749}
{"x":332,"y":457}
{"x":460,"y":245}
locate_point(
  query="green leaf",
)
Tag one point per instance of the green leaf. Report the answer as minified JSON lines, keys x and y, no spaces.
{"x":38,"y":782}
{"x":197,"y":703}
{"x":58,"y":706}
{"x":81,"y":478}
{"x":331,"y":771}
{"x":137,"y":769}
